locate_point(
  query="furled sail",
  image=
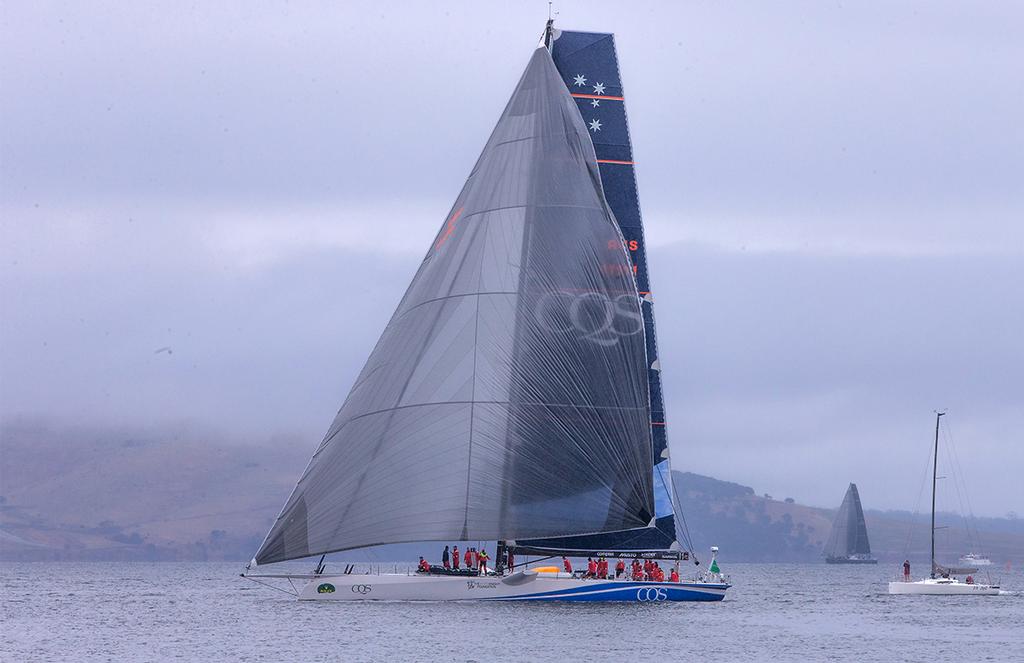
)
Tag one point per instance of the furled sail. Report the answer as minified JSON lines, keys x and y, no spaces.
{"x":508,"y":396}
{"x":946,"y":571}
{"x":849,"y":532}
{"x":589,"y":67}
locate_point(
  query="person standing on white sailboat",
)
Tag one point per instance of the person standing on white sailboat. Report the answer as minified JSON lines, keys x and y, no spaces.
{"x":906,"y":570}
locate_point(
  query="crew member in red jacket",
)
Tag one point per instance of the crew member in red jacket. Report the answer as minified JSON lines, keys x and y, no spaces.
{"x":455,"y":557}
{"x":620,"y":568}
{"x":468,"y":558}
{"x":566,"y":564}
{"x":424,"y":565}
{"x":674,"y":576}
{"x":591,"y":568}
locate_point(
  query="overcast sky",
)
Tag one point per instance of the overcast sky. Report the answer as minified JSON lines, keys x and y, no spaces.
{"x":833,"y":194}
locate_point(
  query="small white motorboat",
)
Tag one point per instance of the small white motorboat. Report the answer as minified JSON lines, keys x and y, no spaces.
{"x":974,"y":559}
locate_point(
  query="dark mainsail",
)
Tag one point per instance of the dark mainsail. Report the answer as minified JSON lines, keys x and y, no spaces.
{"x":849,"y":538}
{"x":589,"y":66}
{"x":509,"y":395}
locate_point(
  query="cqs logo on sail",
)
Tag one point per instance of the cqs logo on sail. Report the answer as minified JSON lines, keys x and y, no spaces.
{"x":591,"y":315}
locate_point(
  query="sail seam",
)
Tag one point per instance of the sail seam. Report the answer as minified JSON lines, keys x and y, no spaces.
{"x":435,"y":403}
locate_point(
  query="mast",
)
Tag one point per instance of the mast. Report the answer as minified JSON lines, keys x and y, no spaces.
{"x":935,"y":473}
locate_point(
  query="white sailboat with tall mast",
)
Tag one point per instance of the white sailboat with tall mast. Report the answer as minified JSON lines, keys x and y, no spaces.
{"x":515,"y":395}
{"x":942,"y":580}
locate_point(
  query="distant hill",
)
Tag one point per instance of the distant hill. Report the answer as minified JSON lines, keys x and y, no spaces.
{"x":126,"y":494}
{"x":131,"y":494}
{"x":759,"y":528}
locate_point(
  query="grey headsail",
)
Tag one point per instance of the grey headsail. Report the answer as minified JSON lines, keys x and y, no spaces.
{"x":589,"y":66}
{"x":508,"y":395}
{"x":849,"y":532}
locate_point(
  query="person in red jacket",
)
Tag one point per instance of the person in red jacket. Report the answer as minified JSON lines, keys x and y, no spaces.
{"x":647,"y":569}
{"x":591,"y":568}
{"x":602,"y":568}
{"x":674,"y":576}
{"x":566,"y":565}
{"x":659,"y":575}
{"x":468,"y":559}
{"x":455,"y":557}
{"x":638,"y":571}
{"x":424,"y":566}
{"x":620,"y":568}
{"x":511,"y":564}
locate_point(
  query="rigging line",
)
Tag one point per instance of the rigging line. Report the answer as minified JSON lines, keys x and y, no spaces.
{"x":267,"y":584}
{"x":956,"y":483}
{"x":678,"y":508}
{"x":966,"y":495}
{"x":917,"y":504}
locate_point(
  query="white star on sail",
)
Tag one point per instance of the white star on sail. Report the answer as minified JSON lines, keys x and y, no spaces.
{"x":595,"y":125}
{"x":595,"y":103}
{"x":580,"y":81}
{"x":599,"y":88}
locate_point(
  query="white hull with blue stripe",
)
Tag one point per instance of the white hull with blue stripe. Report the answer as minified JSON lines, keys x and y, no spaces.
{"x":521,"y":586}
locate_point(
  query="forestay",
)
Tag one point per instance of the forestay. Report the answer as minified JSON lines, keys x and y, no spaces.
{"x":508,"y":396}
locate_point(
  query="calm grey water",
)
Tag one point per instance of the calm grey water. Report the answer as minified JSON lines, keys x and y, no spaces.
{"x":107,"y":611}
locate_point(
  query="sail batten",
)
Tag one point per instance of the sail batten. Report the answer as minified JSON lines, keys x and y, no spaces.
{"x":508,"y":396}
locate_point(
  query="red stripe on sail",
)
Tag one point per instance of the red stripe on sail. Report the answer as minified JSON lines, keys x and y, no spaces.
{"x":448,"y":229}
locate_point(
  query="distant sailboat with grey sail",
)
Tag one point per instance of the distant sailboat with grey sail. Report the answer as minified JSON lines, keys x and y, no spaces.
{"x":848,"y":542}
{"x":515,"y":395}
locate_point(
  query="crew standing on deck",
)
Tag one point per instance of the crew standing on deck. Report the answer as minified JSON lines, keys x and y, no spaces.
{"x":906,"y":570}
{"x":674,"y":576}
{"x":591,"y":568}
{"x":511,"y":561}
{"x":482,"y":558}
{"x":602,"y":568}
{"x":566,"y":564}
{"x":444,"y":559}
{"x":455,"y":557}
{"x":468,"y":559}
{"x":620,"y":568}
